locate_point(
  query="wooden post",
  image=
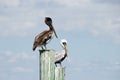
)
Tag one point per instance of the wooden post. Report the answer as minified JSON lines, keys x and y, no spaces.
{"x":59,"y":73}
{"x":47,"y":66}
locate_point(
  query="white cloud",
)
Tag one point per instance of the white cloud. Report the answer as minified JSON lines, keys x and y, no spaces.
{"x":14,"y":64}
{"x":113,"y":66}
{"x":101,"y":66}
{"x":117,"y":63}
{"x":72,"y":2}
{"x":12,"y":57}
{"x":108,"y":27}
{"x":21,"y":22}
{"x":8,"y":53}
{"x":116,"y":67}
{"x":22,"y":69}
{"x":1,"y":58}
{"x":86,"y":15}
{"x":12,"y":60}
{"x":26,"y":56}
{"x":21,"y":56}
{"x":107,"y":1}
{"x":4,"y":55}
{"x":9,"y":3}
{"x":17,"y":28}
{"x":98,"y":19}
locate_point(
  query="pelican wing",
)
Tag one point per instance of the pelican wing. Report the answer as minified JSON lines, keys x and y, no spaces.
{"x":38,"y":39}
{"x":40,"y":35}
{"x":59,"y":55}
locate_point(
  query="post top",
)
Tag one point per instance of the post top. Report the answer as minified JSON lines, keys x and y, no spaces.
{"x":46,"y":50}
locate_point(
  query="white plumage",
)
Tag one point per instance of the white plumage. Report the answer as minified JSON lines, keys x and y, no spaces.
{"x":61,"y":55}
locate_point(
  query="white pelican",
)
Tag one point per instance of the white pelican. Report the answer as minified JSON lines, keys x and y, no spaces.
{"x":60,"y":56}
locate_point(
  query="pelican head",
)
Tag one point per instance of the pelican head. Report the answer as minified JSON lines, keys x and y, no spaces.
{"x":64,"y":43}
{"x":48,"y":21}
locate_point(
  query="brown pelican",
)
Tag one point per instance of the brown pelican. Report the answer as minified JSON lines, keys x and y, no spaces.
{"x":43,"y":38}
{"x":60,"y":56}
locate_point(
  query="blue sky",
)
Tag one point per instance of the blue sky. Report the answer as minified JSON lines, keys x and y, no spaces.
{"x":92,"y":28}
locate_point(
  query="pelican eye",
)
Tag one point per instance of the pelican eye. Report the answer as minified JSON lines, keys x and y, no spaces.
{"x":64,"y":43}
{"x":49,"y":19}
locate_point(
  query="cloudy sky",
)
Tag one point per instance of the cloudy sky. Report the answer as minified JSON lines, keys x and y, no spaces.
{"x":92,"y":28}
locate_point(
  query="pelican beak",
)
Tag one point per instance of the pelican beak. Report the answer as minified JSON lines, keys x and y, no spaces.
{"x":67,"y":58}
{"x":67,"y":53}
{"x":55,"y":33}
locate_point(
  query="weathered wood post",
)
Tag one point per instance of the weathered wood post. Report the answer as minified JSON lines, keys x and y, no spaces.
{"x":59,"y":73}
{"x":47,"y":66}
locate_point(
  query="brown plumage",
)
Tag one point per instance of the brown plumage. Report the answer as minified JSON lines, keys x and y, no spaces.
{"x":43,"y":38}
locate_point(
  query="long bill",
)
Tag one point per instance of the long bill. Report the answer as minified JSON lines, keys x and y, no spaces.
{"x":66,"y":51}
{"x":51,"y":27}
{"x":55,"y":32}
